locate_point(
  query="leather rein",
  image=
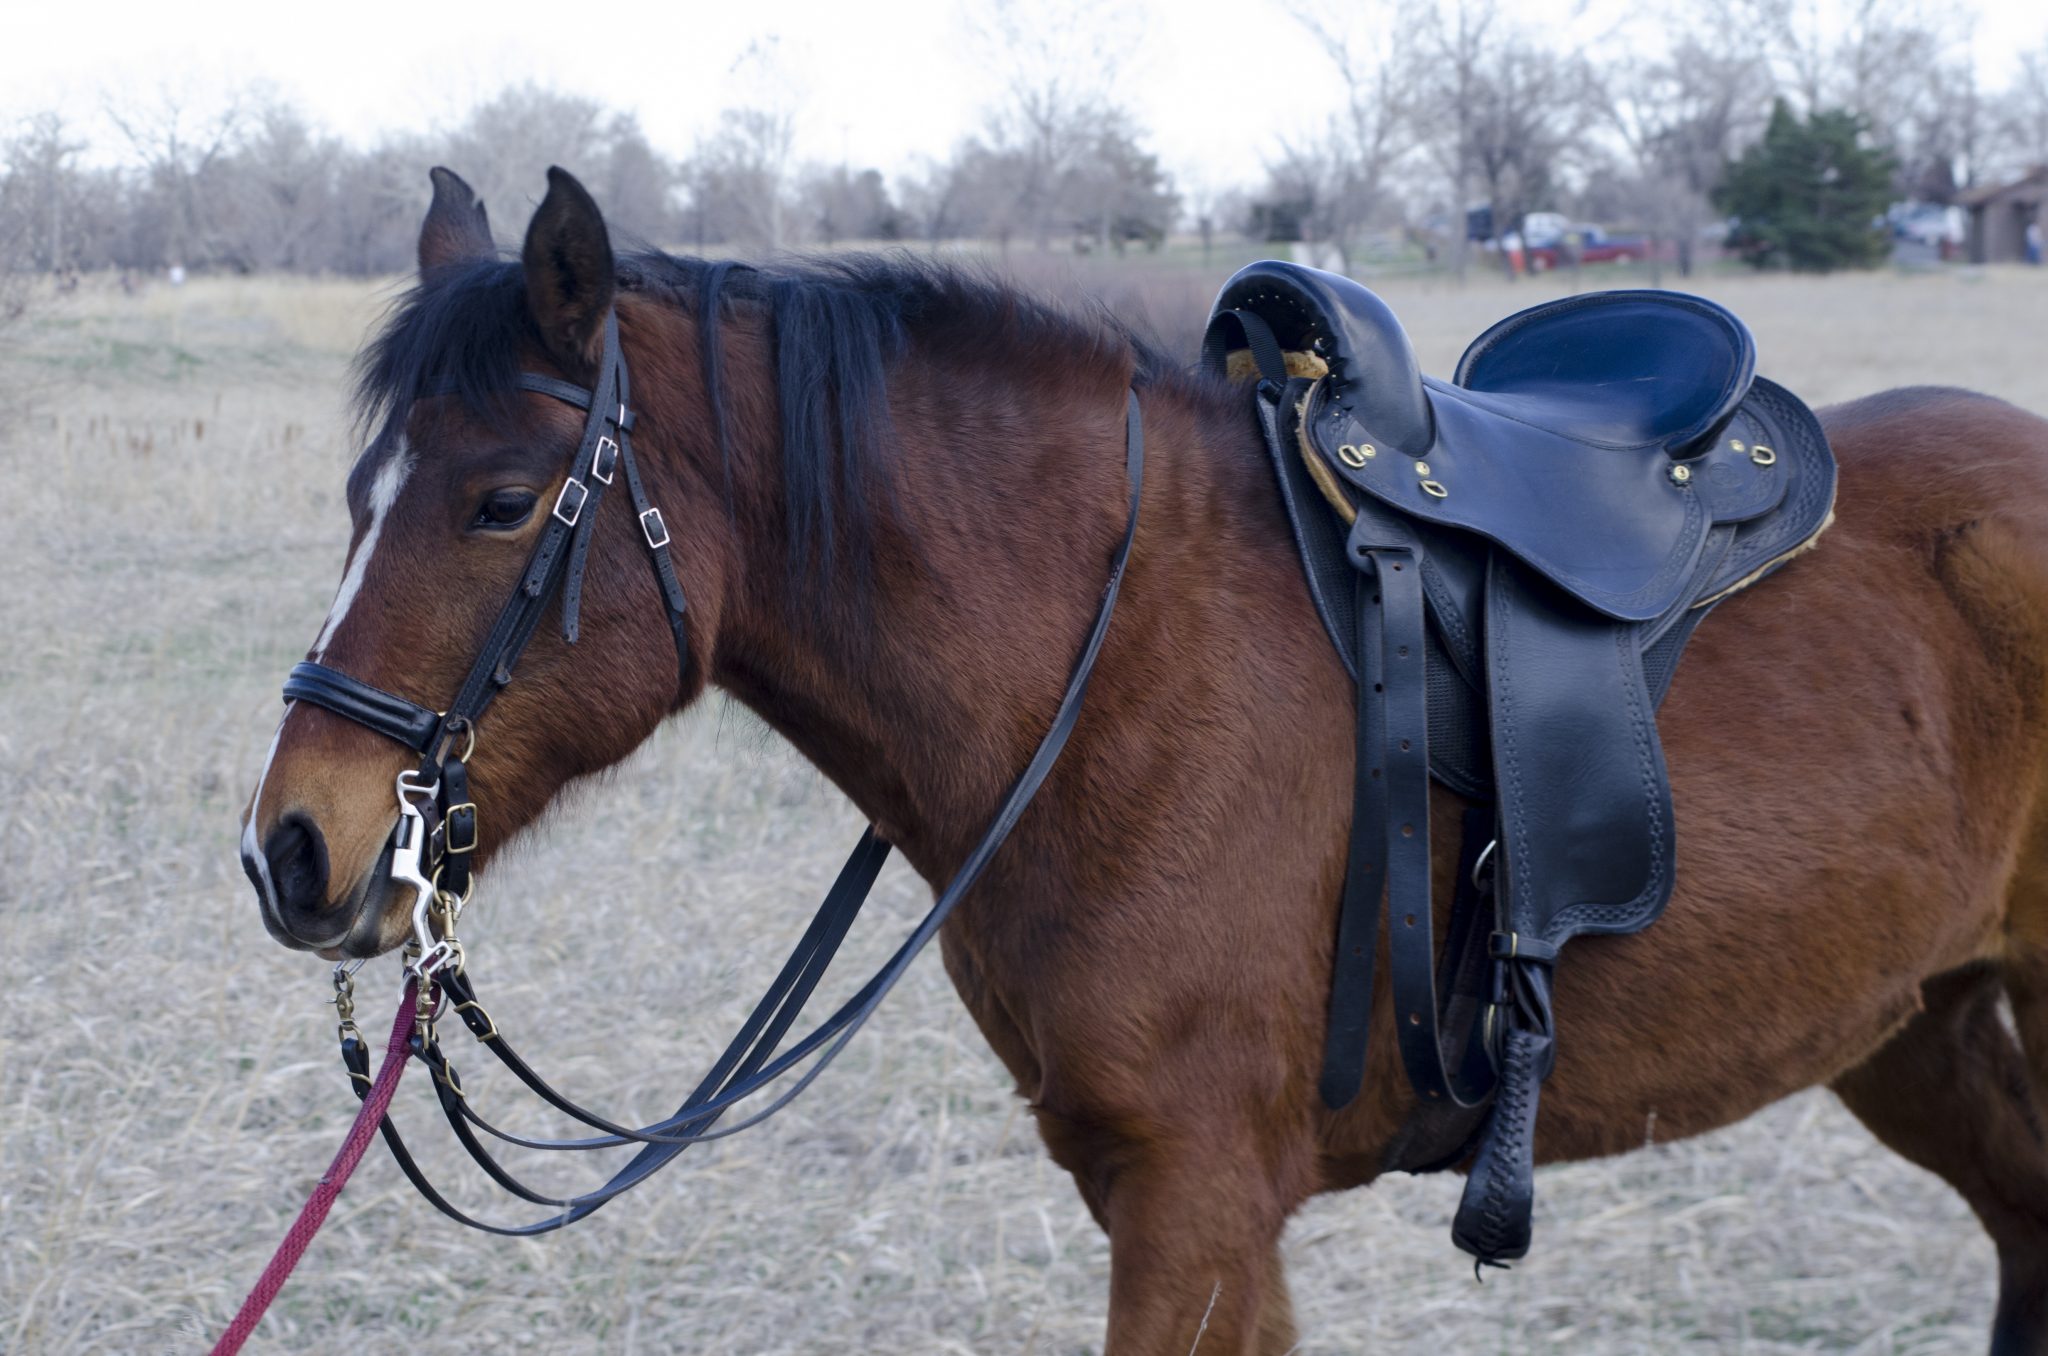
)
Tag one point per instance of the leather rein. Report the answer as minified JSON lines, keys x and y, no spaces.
{"x":437,"y":832}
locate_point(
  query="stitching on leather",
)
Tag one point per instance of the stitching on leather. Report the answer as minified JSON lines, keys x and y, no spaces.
{"x":1643,"y":731}
{"x":1505,"y":705}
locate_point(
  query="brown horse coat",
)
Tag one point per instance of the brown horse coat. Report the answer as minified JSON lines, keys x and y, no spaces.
{"x":1855,"y":747}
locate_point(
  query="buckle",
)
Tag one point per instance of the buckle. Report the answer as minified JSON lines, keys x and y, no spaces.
{"x":649,"y":531}
{"x":603,"y":458}
{"x":575,"y":509}
{"x":454,"y":817}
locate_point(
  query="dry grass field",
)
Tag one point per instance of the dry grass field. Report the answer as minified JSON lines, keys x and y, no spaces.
{"x":168,"y":1084}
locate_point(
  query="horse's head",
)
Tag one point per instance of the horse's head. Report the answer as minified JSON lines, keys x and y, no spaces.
{"x":449,"y":499}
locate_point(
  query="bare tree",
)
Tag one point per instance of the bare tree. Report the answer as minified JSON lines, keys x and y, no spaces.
{"x":739,"y":179}
{"x":42,"y":186}
{"x":179,"y":147}
{"x":14,"y":254}
{"x":1342,"y":173}
{"x":1897,"y":64}
{"x":1455,"y":43}
{"x":277,"y":193}
{"x":378,"y":197}
{"x":839,"y":203}
{"x":1059,"y":63}
{"x":2020,"y":120}
{"x":1525,"y":107}
{"x":1678,"y":119}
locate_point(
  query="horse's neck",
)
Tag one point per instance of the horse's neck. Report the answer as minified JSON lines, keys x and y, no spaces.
{"x":924,"y":699}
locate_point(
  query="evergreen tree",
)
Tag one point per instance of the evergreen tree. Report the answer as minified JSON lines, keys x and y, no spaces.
{"x":1810,"y":195}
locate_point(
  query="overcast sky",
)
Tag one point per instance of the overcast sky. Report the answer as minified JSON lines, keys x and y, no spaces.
{"x":881,"y":82}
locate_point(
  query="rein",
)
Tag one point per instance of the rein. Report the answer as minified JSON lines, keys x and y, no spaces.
{"x":433,"y":858}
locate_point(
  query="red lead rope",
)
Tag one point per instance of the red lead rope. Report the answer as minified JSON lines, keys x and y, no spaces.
{"x":324,"y":1195}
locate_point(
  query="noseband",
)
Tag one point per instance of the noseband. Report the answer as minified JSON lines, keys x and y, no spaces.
{"x":437,"y":833}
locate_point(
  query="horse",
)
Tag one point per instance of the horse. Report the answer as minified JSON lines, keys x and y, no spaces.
{"x":892,"y":489}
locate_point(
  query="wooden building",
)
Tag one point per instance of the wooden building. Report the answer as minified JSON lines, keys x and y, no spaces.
{"x":2000,"y":215}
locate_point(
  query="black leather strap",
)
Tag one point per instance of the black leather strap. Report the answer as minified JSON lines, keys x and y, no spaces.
{"x":654,"y":535}
{"x":1258,"y":337}
{"x":1365,"y":875}
{"x":1390,"y":835}
{"x":568,"y":393}
{"x":595,"y":468}
{"x":387,"y":713}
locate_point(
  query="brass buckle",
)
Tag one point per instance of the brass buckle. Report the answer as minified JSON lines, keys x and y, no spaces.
{"x":575,"y":509}
{"x":448,"y":821}
{"x":489,"y":1020}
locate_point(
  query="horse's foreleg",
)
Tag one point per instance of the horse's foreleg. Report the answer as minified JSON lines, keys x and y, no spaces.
{"x":1194,"y":1228}
{"x":1951,"y":1092}
{"x":1193,"y":1256}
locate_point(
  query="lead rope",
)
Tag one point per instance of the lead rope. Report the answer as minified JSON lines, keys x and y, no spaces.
{"x":314,"y":1213}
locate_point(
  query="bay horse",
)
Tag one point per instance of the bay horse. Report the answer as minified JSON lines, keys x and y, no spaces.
{"x":892,"y":488}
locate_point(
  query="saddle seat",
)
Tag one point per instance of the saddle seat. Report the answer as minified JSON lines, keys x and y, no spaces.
{"x":1584,"y":436}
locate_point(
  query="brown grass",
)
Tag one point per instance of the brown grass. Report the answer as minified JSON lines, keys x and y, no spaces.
{"x":169,"y":1091}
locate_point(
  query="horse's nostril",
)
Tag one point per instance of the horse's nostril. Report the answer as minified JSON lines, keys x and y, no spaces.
{"x":298,"y":866}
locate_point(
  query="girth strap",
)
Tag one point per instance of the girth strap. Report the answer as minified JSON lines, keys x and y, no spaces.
{"x":1390,"y":837}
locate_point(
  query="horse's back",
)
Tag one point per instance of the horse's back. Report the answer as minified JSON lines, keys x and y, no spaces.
{"x":1855,"y":746}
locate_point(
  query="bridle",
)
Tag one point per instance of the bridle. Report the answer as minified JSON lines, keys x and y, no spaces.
{"x":437,"y":834}
{"x":434,"y":860}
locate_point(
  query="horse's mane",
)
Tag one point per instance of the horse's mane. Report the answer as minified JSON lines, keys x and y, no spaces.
{"x":837,"y":325}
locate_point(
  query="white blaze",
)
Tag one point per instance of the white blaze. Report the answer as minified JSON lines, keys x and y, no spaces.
{"x":383,"y":494}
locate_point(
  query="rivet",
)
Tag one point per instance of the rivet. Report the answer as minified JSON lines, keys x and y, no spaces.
{"x":1763,"y":456}
{"x":1435,"y":488}
{"x":1422,"y":468}
{"x":1681,"y":474}
{"x":1736,"y":444}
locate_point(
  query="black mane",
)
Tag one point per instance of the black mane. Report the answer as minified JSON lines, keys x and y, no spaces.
{"x":837,"y":325}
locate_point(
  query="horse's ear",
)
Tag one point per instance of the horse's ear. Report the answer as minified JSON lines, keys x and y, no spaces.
{"x":569,"y":280}
{"x":456,"y":230}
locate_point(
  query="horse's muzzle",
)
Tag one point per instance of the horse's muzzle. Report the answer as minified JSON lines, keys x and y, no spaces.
{"x":292,"y":880}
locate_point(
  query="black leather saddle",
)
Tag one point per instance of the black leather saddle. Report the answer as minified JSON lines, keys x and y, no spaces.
{"x":1510,"y":565}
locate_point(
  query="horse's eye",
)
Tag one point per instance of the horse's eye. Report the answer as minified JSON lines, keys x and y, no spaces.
{"x":504,"y":508}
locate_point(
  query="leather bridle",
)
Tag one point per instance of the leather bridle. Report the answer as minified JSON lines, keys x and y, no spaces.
{"x":434,"y":859}
{"x":437,"y":834}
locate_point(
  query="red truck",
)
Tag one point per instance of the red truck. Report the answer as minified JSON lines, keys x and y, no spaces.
{"x":1594,"y":246}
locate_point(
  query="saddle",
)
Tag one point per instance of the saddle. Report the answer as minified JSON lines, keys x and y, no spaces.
{"x":1510,"y":565}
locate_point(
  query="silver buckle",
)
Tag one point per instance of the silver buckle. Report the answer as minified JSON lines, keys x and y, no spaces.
{"x":601,"y":465}
{"x":576,"y":509}
{"x":659,"y":526}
